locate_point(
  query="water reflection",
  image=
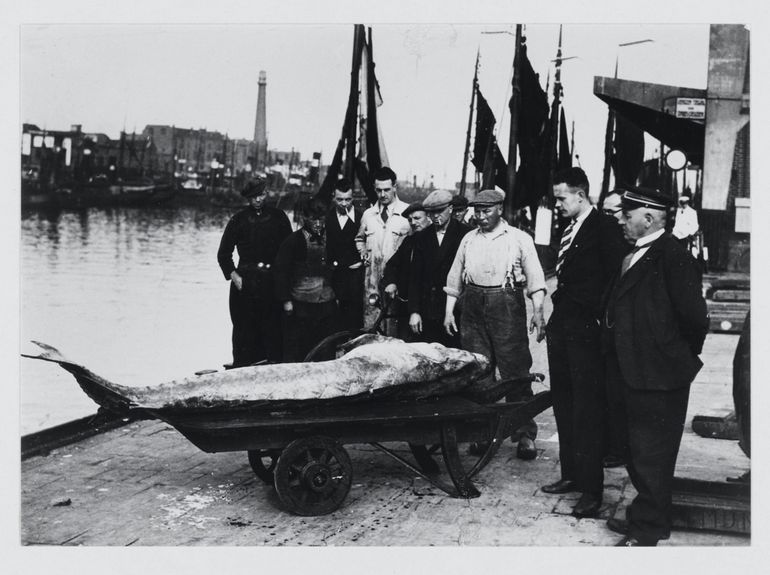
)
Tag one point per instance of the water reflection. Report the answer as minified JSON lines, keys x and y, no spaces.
{"x":135,"y":294}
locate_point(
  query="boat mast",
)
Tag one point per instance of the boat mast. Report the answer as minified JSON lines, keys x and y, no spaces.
{"x":608,"y":137}
{"x":466,"y":153}
{"x":513,"y":105}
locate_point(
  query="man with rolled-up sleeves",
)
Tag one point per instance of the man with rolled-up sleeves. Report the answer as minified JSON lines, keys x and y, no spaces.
{"x":495,"y":265}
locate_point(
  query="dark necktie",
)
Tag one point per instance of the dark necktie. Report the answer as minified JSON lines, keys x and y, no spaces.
{"x":566,"y":239}
{"x":627,"y":260}
{"x":384,"y":214}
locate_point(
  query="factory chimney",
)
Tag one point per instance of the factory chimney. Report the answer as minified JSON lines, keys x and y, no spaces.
{"x":260,"y":126}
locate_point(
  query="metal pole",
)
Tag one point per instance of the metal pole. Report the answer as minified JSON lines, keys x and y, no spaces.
{"x":513,"y":105}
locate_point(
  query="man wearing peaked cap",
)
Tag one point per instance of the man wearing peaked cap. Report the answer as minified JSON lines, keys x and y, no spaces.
{"x":654,"y":325}
{"x":256,"y":232}
{"x":494,"y":267}
{"x":434,"y":252}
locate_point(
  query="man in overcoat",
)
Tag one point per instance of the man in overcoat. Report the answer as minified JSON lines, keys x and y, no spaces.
{"x":590,"y":253}
{"x":434,"y":252}
{"x":653,"y":330}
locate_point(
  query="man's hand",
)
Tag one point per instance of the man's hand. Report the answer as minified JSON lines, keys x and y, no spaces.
{"x":449,"y":324}
{"x":288,"y":307}
{"x":538,"y":323}
{"x":391,"y":291}
{"x":237,"y":280}
{"x":415,"y":323}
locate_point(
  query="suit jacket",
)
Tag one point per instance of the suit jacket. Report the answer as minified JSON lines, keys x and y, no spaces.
{"x":341,"y":242}
{"x":397,"y":268}
{"x":341,"y":253}
{"x":592,"y":260}
{"x":430,"y":265}
{"x":656,"y":318}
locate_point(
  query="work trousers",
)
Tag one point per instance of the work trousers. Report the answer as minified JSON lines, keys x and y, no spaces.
{"x":307,"y":325}
{"x":494,"y":323}
{"x":349,"y":286}
{"x":579,"y":400}
{"x":654,"y":423}
{"x":256,"y":318}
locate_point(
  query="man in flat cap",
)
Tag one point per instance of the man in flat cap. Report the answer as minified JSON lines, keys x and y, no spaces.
{"x":434,"y":252}
{"x":395,"y":278}
{"x":494,"y":266}
{"x":590,"y":252}
{"x":303,"y":284}
{"x":382,"y":230}
{"x":256,"y":232}
{"x":654,"y":325}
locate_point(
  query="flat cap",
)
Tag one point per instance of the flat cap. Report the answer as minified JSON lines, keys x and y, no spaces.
{"x":254,"y":188}
{"x":437,"y":200}
{"x":646,"y":198}
{"x":459,"y":202}
{"x":487,"y":198}
{"x":411,"y":208}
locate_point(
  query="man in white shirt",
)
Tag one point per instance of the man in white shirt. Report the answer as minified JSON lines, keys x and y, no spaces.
{"x":381,"y":232}
{"x":342,"y":224}
{"x":685,"y":222}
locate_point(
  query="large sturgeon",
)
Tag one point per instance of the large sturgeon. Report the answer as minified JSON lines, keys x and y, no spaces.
{"x":373,"y":366}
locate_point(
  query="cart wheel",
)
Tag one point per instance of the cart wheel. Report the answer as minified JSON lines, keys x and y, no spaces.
{"x":263,"y":462}
{"x":313,"y":475}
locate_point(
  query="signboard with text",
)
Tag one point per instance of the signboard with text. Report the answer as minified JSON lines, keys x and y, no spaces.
{"x":691,"y":108}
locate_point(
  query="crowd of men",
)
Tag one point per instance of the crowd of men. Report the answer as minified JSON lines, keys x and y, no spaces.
{"x":623,"y":340}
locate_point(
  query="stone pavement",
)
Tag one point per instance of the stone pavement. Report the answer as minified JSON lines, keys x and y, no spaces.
{"x":146,"y":485}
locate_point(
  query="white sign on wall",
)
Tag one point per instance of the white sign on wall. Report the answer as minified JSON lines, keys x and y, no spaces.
{"x":691,"y":108}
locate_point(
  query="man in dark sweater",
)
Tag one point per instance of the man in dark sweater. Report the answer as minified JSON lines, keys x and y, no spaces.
{"x":303,"y":283}
{"x":256,"y":232}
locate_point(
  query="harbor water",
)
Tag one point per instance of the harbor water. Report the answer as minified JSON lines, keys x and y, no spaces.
{"x":134,"y":294}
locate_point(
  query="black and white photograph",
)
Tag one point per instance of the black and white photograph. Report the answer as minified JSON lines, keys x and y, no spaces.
{"x":381,"y":280}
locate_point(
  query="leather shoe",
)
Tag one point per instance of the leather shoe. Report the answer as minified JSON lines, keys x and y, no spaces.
{"x":633,"y":542}
{"x":587,"y":506}
{"x":618,"y":525}
{"x":621,"y":526}
{"x":559,"y":487}
{"x":611,"y":461}
{"x":526,"y":449}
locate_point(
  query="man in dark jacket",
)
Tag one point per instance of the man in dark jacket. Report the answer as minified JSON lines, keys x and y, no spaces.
{"x":342,"y":223}
{"x":590,"y":253}
{"x":303,"y":283}
{"x":256,"y":232}
{"x":653,"y":330}
{"x":434,"y":252}
{"x":395,"y":278}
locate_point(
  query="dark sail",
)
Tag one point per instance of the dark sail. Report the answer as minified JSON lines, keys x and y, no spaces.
{"x":565,"y":155}
{"x":487,"y":157}
{"x":359,"y":152}
{"x":532,"y":175}
{"x":628,"y":157}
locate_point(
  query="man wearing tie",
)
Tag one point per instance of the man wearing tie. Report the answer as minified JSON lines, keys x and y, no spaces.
{"x":653,"y":329}
{"x":590,"y":253}
{"x":342,"y":223}
{"x":382,"y":230}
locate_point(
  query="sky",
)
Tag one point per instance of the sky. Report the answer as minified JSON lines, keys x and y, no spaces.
{"x":109,"y":77}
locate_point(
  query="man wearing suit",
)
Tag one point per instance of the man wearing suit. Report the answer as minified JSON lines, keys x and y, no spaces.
{"x":348,"y":270}
{"x":653,"y":330}
{"x":590,"y":252}
{"x":434,"y":252}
